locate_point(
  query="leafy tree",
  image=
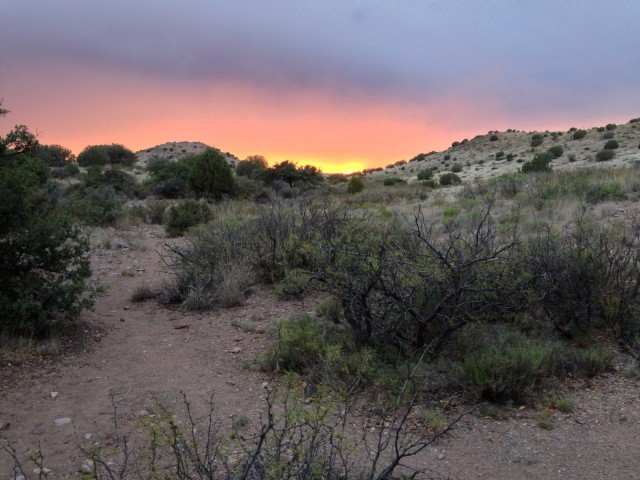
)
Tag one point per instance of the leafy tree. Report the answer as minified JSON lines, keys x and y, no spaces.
{"x":450,"y":179}
{"x":53,"y":155}
{"x":556,"y":151}
{"x":355,"y":184}
{"x":44,"y":257}
{"x":253,"y":166}
{"x":211,"y":175}
{"x":106,"y":155}
{"x":540,"y":163}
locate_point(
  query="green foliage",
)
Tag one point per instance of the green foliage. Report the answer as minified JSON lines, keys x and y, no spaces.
{"x":611,"y":126}
{"x":456,"y":168}
{"x":184,"y":215}
{"x":493,"y":138}
{"x":604,"y":155}
{"x":106,"y":155}
{"x":608,"y":135}
{"x":389,"y":182}
{"x":44,"y":258}
{"x":500,"y":364}
{"x":211,"y":175}
{"x":611,"y":145}
{"x":565,"y":405}
{"x":289,"y":173}
{"x":556,"y":151}
{"x":536,"y":139}
{"x":425,"y":174}
{"x":539,"y":163}
{"x":449,"y":179}
{"x":355,"y":184}
{"x":254,"y":166}
{"x":579,"y":134}
{"x":170,"y":179}
{"x":53,"y":155}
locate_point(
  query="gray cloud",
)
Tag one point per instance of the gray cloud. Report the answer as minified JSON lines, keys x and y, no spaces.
{"x":523,"y":55}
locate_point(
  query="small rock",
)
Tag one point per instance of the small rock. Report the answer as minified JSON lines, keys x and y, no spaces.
{"x":122,"y":319}
{"x":87,"y":466}
{"x":19,"y":477}
{"x":142,"y":413}
{"x":229,"y":382}
{"x":126,"y":307}
{"x":54,"y":395}
{"x":44,"y":471}
{"x":235,"y":350}
{"x":87,"y":436}
{"x":441,"y":456}
{"x":62,"y":421}
{"x":4,"y":424}
{"x":37,"y":430}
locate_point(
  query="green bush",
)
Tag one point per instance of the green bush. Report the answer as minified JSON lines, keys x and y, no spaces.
{"x":53,"y":155}
{"x":493,"y":138}
{"x":536,"y":139}
{"x":425,"y":174}
{"x":456,"y":168}
{"x":499,"y":364}
{"x":539,"y":163}
{"x":449,"y":179}
{"x":611,"y":145}
{"x":211,"y":176}
{"x":106,"y":155}
{"x":604,"y":155}
{"x":184,"y":215}
{"x":611,"y":126}
{"x":253,"y":166}
{"x":608,"y":135}
{"x":44,"y":257}
{"x":388,"y":182}
{"x":579,"y":134}
{"x":499,"y":155}
{"x":355,"y":184}
{"x":556,"y":151}
{"x":170,"y":179}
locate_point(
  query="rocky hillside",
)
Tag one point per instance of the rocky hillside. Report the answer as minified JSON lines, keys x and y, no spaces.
{"x":500,"y":152}
{"x":176,"y":151}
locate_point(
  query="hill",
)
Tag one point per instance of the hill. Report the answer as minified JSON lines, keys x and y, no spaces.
{"x":498,"y":152}
{"x":176,"y":151}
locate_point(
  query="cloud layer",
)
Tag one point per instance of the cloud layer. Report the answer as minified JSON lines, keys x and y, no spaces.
{"x":438,"y":69}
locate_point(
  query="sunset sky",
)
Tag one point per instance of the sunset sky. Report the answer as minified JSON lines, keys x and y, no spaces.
{"x":340,"y":84}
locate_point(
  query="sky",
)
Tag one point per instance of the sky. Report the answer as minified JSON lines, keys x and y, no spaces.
{"x":343,"y":85}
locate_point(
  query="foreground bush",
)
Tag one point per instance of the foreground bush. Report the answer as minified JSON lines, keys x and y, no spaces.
{"x":539,"y":163}
{"x":44,"y":257}
{"x":211,"y":176}
{"x":178,"y":218}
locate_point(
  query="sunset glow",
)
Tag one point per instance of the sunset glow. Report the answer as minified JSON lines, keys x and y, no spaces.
{"x":388,"y":82}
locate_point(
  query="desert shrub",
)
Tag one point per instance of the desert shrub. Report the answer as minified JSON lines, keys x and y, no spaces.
{"x":251,"y":189}
{"x":539,"y":163}
{"x":572,"y":157}
{"x":536,"y":139}
{"x":106,"y":155}
{"x":184,"y":215}
{"x":611,"y":145}
{"x":493,"y":138}
{"x":341,"y":177}
{"x":556,"y":151}
{"x":94,"y":206}
{"x":500,"y":364}
{"x":449,"y":179}
{"x":579,"y":134}
{"x":53,"y":155}
{"x":611,"y":126}
{"x":608,"y":135}
{"x":604,"y":155}
{"x":44,"y":257}
{"x":455,"y":144}
{"x":355,"y":184}
{"x":155,"y":211}
{"x":431,"y":183}
{"x":456,"y":168}
{"x":254,"y":166}
{"x":388,"y":182}
{"x":594,"y":360}
{"x":447,"y":156}
{"x":425,"y":174}
{"x":499,"y":155}
{"x":211,"y":175}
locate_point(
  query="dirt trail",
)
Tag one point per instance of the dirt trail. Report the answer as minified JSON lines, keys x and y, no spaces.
{"x":136,"y":350}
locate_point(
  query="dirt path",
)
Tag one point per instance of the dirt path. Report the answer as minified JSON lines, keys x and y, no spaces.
{"x":138,"y":353}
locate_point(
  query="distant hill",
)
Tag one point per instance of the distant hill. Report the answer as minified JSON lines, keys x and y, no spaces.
{"x":498,"y":152}
{"x":176,"y":151}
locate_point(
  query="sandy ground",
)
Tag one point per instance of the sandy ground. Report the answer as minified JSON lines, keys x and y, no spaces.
{"x":143,"y":353}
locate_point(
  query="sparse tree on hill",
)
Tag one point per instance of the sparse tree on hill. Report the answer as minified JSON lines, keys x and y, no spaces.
{"x":211,"y":175}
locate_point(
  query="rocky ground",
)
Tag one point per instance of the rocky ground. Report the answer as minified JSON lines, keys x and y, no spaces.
{"x":140,"y":354}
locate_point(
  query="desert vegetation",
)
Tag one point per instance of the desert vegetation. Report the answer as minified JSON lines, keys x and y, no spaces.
{"x":430,"y":286}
